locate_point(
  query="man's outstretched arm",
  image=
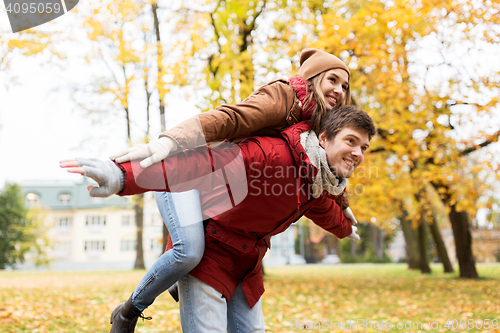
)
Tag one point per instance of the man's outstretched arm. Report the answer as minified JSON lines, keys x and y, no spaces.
{"x":202,"y":169}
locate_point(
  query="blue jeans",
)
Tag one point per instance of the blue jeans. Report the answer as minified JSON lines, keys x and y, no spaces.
{"x":185,"y":226}
{"x":204,"y":309}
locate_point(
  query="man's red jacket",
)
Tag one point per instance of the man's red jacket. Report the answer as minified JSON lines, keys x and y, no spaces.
{"x":249,"y":192}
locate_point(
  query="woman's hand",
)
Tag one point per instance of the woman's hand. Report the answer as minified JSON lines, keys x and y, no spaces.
{"x":151,"y":153}
{"x":353,"y":234}
{"x":348,"y":213}
{"x":111,"y":178}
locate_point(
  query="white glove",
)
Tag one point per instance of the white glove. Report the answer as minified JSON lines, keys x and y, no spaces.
{"x":348,"y":213}
{"x":354,"y":235}
{"x":152,"y":152}
{"x":111,"y":179}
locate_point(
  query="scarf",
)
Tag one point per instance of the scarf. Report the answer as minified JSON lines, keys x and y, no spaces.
{"x":299,"y":85}
{"x":325,"y":179}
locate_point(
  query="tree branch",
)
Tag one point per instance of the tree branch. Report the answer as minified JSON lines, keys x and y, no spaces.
{"x":378,"y":150}
{"x":490,"y":139}
{"x":249,"y":28}
{"x":217,"y":34}
{"x":383,"y":134}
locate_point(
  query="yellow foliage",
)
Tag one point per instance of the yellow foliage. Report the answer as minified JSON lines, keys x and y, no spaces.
{"x":230,"y":47}
{"x":378,"y":42}
{"x":26,"y":43}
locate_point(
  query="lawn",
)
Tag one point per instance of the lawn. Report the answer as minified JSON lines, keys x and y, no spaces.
{"x":362,"y":298}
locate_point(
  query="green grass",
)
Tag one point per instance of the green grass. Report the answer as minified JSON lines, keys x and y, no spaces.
{"x":296,"y":296}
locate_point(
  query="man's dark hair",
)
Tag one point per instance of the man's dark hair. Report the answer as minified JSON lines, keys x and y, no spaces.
{"x":347,"y":116}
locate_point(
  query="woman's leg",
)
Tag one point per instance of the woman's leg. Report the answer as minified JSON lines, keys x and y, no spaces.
{"x":181,"y":213}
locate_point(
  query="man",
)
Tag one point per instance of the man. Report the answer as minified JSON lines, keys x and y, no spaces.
{"x":300,"y":173}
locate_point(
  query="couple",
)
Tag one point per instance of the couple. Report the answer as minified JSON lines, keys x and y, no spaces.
{"x":223,"y":290}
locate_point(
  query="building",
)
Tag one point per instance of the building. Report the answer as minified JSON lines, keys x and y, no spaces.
{"x":100,"y":233}
{"x":282,"y":250}
{"x":93,"y":233}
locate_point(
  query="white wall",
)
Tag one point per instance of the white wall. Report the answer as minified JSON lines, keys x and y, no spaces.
{"x":69,"y":241}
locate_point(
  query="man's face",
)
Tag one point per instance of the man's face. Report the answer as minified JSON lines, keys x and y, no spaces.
{"x":346,"y":151}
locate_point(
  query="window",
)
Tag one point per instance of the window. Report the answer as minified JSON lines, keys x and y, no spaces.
{"x":128,"y":245}
{"x":156,"y":244}
{"x":94,"y":246}
{"x":33,"y":199}
{"x":64,"y":198}
{"x":128,"y":220}
{"x":63,"y":223}
{"x":95,"y":221}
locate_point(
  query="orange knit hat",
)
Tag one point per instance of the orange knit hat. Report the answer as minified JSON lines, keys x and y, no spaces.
{"x":313,"y":62}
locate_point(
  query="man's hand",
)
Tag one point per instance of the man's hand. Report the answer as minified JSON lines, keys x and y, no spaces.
{"x":348,"y":213}
{"x":110,"y":178}
{"x":151,"y":153}
{"x":354,"y":235}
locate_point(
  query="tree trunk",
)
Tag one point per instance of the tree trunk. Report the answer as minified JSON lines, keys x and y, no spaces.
{"x":159,"y":59}
{"x":374,"y":232}
{"x":161,"y":99}
{"x":165,"y":237}
{"x":139,"y":213}
{"x":463,"y":243}
{"x":441,"y":248}
{"x":353,"y":248}
{"x":422,"y":246}
{"x":413,"y":256}
{"x":379,"y":250}
{"x":463,"y":238}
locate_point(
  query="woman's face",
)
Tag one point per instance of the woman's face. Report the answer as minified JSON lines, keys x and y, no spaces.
{"x":334,"y":86}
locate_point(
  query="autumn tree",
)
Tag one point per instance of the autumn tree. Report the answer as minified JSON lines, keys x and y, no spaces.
{"x":220,"y":45}
{"x":21,"y":230}
{"x":383,"y":44}
{"x":160,"y":84}
{"x":493,"y":216}
{"x":27,"y":43}
{"x":226,"y":49}
{"x":432,"y":215}
{"x":444,"y":153}
{"x":119,"y":32}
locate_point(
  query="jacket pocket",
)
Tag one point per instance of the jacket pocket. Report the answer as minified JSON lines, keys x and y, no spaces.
{"x":239,"y":242}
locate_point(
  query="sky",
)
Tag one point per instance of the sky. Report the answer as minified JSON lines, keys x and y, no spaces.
{"x":41,"y":125}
